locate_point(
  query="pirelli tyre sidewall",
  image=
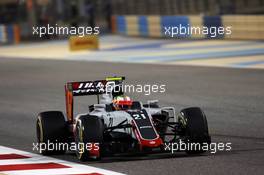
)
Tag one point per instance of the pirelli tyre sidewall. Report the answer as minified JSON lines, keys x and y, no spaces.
{"x":194,"y":124}
{"x":51,"y":130}
{"x":89,"y":130}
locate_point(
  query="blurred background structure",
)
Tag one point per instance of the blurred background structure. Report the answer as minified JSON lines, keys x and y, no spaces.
{"x":187,"y":7}
{"x":18,"y":16}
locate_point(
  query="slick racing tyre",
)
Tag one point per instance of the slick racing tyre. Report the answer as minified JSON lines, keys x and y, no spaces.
{"x":51,"y":131}
{"x":88,"y":137}
{"x":194,"y":124}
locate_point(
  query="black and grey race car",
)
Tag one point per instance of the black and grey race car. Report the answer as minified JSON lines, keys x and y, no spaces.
{"x":104,"y":130}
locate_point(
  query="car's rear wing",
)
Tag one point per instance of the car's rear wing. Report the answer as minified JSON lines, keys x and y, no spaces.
{"x":82,"y":88}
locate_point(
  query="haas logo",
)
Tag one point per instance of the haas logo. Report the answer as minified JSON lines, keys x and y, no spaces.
{"x":87,"y":87}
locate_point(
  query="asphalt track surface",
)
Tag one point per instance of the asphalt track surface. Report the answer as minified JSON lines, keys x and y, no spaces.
{"x":233,"y":100}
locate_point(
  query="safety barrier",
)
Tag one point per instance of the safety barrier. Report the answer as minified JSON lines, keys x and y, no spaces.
{"x":245,"y":27}
{"x":175,"y":21}
{"x":241,"y":26}
{"x":9,"y":34}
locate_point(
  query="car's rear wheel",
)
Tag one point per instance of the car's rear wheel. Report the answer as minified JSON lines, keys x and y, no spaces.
{"x":193,"y":122}
{"x":51,"y":131}
{"x":88,"y":137}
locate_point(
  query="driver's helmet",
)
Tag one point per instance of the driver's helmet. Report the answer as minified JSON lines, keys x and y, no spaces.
{"x":117,"y":91}
{"x":122,"y":102}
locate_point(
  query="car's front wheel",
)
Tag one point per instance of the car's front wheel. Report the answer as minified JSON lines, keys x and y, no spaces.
{"x":88,"y":137}
{"x":51,"y":131}
{"x":193,"y":122}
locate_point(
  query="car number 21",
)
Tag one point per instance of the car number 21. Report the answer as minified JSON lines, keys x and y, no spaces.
{"x":139,"y":116}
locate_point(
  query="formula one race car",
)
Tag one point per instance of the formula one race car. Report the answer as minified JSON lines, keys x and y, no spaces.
{"x":116,"y":124}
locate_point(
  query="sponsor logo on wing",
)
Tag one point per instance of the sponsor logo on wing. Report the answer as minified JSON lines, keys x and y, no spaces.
{"x":152,"y":142}
{"x":90,"y":87}
{"x":145,"y":127}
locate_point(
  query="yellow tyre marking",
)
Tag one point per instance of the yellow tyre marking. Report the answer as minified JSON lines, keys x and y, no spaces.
{"x":80,"y":133}
{"x":41,"y":130}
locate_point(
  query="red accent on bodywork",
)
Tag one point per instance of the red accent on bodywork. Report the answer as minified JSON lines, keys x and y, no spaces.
{"x":69,"y":103}
{"x":75,"y":86}
{"x":95,"y":150}
{"x":154,"y":143}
